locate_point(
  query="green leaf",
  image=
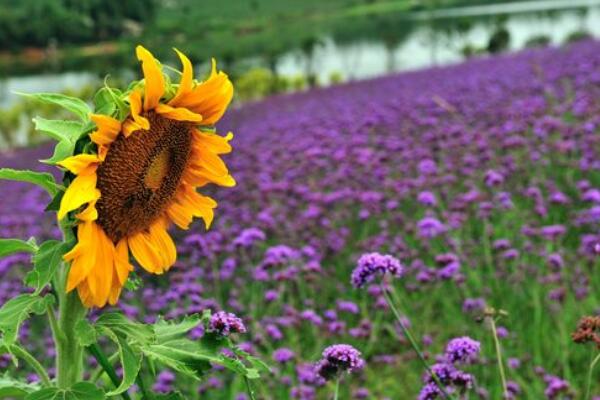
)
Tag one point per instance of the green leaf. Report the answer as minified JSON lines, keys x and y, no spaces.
{"x":121,"y":325}
{"x":194,"y":358}
{"x":10,"y":246}
{"x":62,"y":150}
{"x":79,"y":391}
{"x":183,"y":356}
{"x":17,"y":310}
{"x":42,"y":179}
{"x":255,"y":362}
{"x":45,"y":263}
{"x":168,"y":330}
{"x":85,"y":332}
{"x":109,"y":101}
{"x":130,"y":357}
{"x":58,"y":129}
{"x":54,"y":204}
{"x":73,"y":104}
{"x":134,"y":282}
{"x":13,"y":389}
{"x":65,"y":132}
{"x":104,"y":102}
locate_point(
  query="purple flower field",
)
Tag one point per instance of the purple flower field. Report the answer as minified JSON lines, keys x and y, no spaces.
{"x":481,"y":179}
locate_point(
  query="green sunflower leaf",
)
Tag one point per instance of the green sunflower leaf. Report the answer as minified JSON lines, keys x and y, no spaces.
{"x":16,"y":310}
{"x":54,"y":204}
{"x":130,"y":357}
{"x":64,"y":132}
{"x":108,"y":101}
{"x":121,"y":325}
{"x":86,"y":333}
{"x":11,"y":246}
{"x":72,"y":104}
{"x":62,"y":150}
{"x":79,"y":391}
{"x":256,"y":363}
{"x":104,"y":103}
{"x":58,"y":129}
{"x":167,"y":330}
{"x":13,"y":389}
{"x":41,"y":179}
{"x":183,"y":356}
{"x":45,"y":263}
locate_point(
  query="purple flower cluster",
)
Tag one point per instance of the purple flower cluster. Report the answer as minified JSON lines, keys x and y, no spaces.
{"x":224,"y":324}
{"x":374,"y":264}
{"x":458,"y":351}
{"x":462,"y":350}
{"x":339,"y":358}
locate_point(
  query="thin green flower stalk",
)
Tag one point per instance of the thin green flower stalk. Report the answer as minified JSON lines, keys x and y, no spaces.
{"x":492,"y":316}
{"x":412,"y":341}
{"x":336,"y":391}
{"x":588,"y":386}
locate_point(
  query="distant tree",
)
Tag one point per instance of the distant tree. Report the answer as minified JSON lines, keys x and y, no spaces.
{"x":499,"y":41}
{"x":37,"y":22}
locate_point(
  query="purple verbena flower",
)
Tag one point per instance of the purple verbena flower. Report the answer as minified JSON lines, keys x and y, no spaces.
{"x":462,"y":350}
{"x":224,"y":324}
{"x":373,"y":264}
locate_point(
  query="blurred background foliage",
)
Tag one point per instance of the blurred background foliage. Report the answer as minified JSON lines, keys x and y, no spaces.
{"x":266,"y":46}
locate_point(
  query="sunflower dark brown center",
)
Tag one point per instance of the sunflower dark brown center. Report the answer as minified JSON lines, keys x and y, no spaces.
{"x":140,"y":175}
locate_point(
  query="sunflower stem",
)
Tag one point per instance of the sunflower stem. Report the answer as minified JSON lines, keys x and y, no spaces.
{"x":69,"y":353}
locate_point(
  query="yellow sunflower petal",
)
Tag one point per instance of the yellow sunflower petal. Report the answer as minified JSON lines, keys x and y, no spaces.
{"x":122,"y":265}
{"x":190,"y":177}
{"x":100,"y":277}
{"x":201,"y":206}
{"x":79,"y":163}
{"x":108,"y":129}
{"x":90,"y":213}
{"x":115,"y":291}
{"x":85,"y":294}
{"x":188,"y":204}
{"x":145,"y":253}
{"x":153,"y":77}
{"x":81,"y":191}
{"x":129,"y":127}
{"x":83,"y":254}
{"x":213,"y":142}
{"x":178,"y":114}
{"x":186,"y":83}
{"x":163,"y":242}
{"x":179,"y":215}
{"x":209,"y":98}
{"x":202,"y":173}
{"x":135,"y":101}
{"x":209,"y":161}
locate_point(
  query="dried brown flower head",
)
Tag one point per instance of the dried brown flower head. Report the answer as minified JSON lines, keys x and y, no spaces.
{"x":588,"y":330}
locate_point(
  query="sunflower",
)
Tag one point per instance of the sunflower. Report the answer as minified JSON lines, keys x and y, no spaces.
{"x":142,"y":176}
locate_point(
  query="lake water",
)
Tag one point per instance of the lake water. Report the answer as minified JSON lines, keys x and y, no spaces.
{"x":365,"y":58}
